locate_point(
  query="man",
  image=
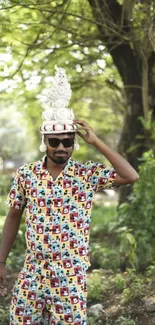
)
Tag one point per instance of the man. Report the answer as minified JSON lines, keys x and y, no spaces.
{"x":57,"y":193}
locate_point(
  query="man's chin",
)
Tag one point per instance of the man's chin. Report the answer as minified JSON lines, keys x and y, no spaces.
{"x":59,"y":160}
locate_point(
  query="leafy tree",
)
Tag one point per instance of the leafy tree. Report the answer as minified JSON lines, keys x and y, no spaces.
{"x":126,"y":28}
{"x":13,"y":135}
{"x":69,"y":46}
{"x":94,"y":40}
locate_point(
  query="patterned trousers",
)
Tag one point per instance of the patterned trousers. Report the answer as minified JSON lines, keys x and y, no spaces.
{"x":44,"y":299}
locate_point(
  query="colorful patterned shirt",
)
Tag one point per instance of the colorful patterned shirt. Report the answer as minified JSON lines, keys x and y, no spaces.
{"x":58,"y":212}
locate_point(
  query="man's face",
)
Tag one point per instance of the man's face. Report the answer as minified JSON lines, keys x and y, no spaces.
{"x":57,"y":151}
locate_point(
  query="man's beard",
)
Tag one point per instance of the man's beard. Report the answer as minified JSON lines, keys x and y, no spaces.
{"x":59,"y":159}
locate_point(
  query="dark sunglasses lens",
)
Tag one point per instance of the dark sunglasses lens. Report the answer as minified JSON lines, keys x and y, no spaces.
{"x":68,"y":142}
{"x":53,"y":142}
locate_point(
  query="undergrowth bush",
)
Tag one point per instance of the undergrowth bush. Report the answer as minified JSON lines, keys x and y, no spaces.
{"x":104,"y":257}
{"x":128,"y":240}
{"x":5,"y":183}
{"x":16,"y":257}
{"x":93,"y":321}
{"x":137,"y":216}
{"x":4,"y":316}
{"x":3,"y":206}
{"x":104,"y":252}
{"x":95,"y":286}
{"x":125,"y":321}
{"x":17,"y":254}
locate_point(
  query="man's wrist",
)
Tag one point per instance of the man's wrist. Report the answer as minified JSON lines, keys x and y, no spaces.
{"x":96,"y":141}
{"x":2,"y":262}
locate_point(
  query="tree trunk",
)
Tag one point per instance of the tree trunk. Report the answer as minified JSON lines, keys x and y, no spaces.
{"x":133,"y":140}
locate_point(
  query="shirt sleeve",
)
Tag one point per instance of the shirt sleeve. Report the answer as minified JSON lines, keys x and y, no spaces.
{"x":100,"y":176}
{"x":16,"y":197}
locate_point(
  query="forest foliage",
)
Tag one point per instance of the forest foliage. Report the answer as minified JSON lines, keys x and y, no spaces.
{"x":107,"y":49}
{"x":37,"y":36}
{"x":108,"y":53}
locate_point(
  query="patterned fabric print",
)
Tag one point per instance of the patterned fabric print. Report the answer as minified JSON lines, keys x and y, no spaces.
{"x":37,"y":298}
{"x":58,"y":212}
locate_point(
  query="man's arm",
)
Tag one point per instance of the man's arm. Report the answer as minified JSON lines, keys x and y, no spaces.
{"x":126,"y":174}
{"x":10,"y":230}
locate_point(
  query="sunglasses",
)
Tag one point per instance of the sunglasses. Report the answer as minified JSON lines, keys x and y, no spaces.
{"x":54,"y":142}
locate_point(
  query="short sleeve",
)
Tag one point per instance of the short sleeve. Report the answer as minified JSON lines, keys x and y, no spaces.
{"x":16,"y":197}
{"x":100,"y":176}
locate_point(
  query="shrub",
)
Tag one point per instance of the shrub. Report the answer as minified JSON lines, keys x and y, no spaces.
{"x":104,"y":253}
{"x":104,"y":257}
{"x":120,"y":282}
{"x":124,"y":321}
{"x":101,"y":217}
{"x":135,"y":285}
{"x":95,"y":286}
{"x":3,"y":206}
{"x":93,"y":321}
{"x":17,"y":254}
{"x":4,"y":317}
{"x":137,"y":215}
{"x":5,"y":183}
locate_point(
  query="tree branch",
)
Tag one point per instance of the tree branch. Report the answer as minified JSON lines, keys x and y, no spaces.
{"x":24,"y":57}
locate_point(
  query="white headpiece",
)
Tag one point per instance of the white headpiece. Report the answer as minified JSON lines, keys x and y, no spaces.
{"x":57,"y":118}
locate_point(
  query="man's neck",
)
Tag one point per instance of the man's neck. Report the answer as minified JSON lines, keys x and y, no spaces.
{"x":53,"y":168}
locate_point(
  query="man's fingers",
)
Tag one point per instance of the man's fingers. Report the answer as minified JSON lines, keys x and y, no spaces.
{"x":84,"y":126}
{"x":83,"y":135}
{"x":80,"y":122}
{"x":80,"y":134}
